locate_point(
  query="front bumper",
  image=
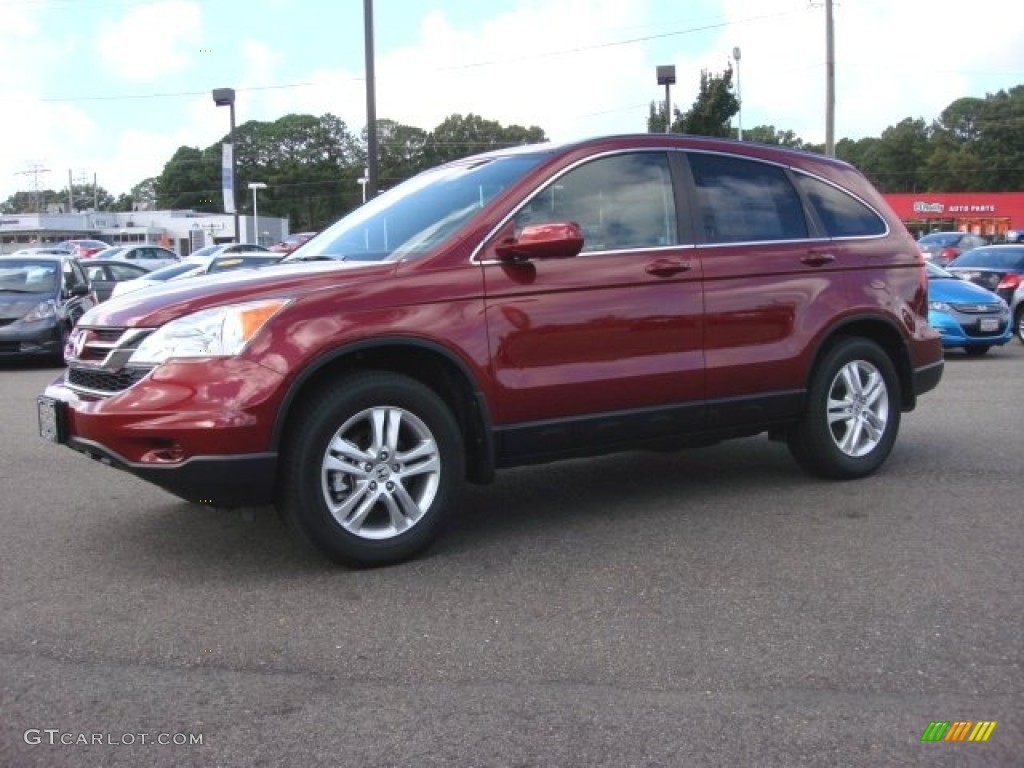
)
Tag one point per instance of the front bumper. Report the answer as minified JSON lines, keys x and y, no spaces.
{"x":21,"y":339}
{"x":200,"y":429}
{"x":962,"y":330}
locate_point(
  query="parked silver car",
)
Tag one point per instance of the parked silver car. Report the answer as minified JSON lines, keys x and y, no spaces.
{"x":144,"y":255}
{"x":1017,"y":312}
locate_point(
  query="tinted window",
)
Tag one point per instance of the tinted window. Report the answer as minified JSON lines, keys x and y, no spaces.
{"x":620,"y":202}
{"x":125,"y":271}
{"x":842,"y":215}
{"x":742,"y":201}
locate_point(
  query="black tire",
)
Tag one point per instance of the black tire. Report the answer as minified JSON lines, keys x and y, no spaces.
{"x":391,"y":493}
{"x":854,"y":436}
{"x":1018,"y":323}
{"x":977,"y":350}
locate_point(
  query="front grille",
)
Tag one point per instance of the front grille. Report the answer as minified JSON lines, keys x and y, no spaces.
{"x":98,"y":380}
{"x":978,"y":309}
{"x":99,"y":359}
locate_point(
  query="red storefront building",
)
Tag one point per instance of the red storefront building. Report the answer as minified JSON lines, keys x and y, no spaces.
{"x":989,"y":214}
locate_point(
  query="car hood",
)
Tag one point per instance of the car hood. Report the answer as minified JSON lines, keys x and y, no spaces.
{"x":959,"y":292}
{"x":14,"y":306}
{"x":153,"y":306}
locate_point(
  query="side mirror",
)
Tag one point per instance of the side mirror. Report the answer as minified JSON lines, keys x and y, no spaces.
{"x":555,"y":240}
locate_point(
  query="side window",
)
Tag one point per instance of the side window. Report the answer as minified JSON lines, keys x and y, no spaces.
{"x":73,"y":275}
{"x":95,"y":272}
{"x":621,"y":202}
{"x":122,"y":272}
{"x":743,"y":201}
{"x":843,"y":215}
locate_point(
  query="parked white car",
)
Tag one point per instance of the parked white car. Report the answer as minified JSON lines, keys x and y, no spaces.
{"x":145,"y":255}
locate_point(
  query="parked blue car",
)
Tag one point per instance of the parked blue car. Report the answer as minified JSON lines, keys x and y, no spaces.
{"x":966,"y":314}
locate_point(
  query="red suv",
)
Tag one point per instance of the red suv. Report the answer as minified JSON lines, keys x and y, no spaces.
{"x":517,"y":307}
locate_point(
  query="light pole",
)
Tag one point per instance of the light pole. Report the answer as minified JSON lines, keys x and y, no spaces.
{"x":667,"y":76}
{"x":225,"y":97}
{"x":254,"y":185}
{"x":363,"y":181}
{"x":739,"y":98}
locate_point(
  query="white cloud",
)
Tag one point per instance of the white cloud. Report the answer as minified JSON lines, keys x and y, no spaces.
{"x":152,"y":40}
{"x":893,"y":60}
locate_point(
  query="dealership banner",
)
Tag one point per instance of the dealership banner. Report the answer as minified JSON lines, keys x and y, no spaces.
{"x":227,"y":180}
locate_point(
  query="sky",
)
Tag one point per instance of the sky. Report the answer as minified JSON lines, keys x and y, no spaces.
{"x":111,"y":88}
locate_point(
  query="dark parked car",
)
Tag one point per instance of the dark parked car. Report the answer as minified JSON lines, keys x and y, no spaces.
{"x":522,"y":306}
{"x":942,"y":247}
{"x":966,"y":314}
{"x":1000,"y":268}
{"x":104,"y":274}
{"x":41,"y":298}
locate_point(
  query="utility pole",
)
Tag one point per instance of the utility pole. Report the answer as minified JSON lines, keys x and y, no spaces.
{"x":35,"y":171}
{"x":371,"y":103}
{"x":830,"y":83}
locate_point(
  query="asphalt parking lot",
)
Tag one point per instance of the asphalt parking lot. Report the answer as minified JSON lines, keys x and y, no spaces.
{"x":713,"y":607}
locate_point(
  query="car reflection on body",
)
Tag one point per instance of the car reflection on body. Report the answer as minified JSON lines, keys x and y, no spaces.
{"x":966,"y":315}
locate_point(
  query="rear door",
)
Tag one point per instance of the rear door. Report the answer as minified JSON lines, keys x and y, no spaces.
{"x":769,"y":286}
{"x":606,"y":346}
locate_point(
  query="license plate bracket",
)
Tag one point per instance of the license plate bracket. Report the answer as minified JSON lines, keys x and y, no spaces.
{"x":52,"y":415}
{"x":989,"y":324}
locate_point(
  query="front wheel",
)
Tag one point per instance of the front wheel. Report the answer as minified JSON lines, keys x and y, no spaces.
{"x":370,"y":468}
{"x":852,"y":415}
{"x":1018,"y":323}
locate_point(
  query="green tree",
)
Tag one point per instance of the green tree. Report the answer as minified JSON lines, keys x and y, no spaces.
{"x":767,"y":134}
{"x":191,"y":180}
{"x":459,"y":136}
{"x":710,"y":113}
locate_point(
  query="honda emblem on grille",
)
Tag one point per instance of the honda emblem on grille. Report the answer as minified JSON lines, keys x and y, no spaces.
{"x":78,"y":346}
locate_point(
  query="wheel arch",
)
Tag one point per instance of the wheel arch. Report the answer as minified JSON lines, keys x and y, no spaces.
{"x":887,"y":335}
{"x":431,"y":364}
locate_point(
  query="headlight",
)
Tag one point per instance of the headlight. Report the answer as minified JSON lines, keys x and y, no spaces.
{"x":41,"y":311}
{"x":939,"y":306}
{"x":217,"y":332}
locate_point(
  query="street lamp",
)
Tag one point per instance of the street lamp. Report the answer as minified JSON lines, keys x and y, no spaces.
{"x":254,"y":185}
{"x":739,"y":98}
{"x":363,"y":181}
{"x":225,"y":97}
{"x":667,"y":76}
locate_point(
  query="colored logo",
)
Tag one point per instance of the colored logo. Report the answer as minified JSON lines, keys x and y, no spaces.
{"x":958,"y":730}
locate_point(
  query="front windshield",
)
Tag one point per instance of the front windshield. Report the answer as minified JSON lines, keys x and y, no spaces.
{"x":418,"y":214}
{"x":28,"y":276}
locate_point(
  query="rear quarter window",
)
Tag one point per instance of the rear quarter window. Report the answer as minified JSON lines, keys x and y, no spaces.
{"x":840,"y":213}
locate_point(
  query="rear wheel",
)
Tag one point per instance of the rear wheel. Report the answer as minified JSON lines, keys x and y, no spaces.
{"x":852,"y":415}
{"x":370,"y":469}
{"x":978,"y":350}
